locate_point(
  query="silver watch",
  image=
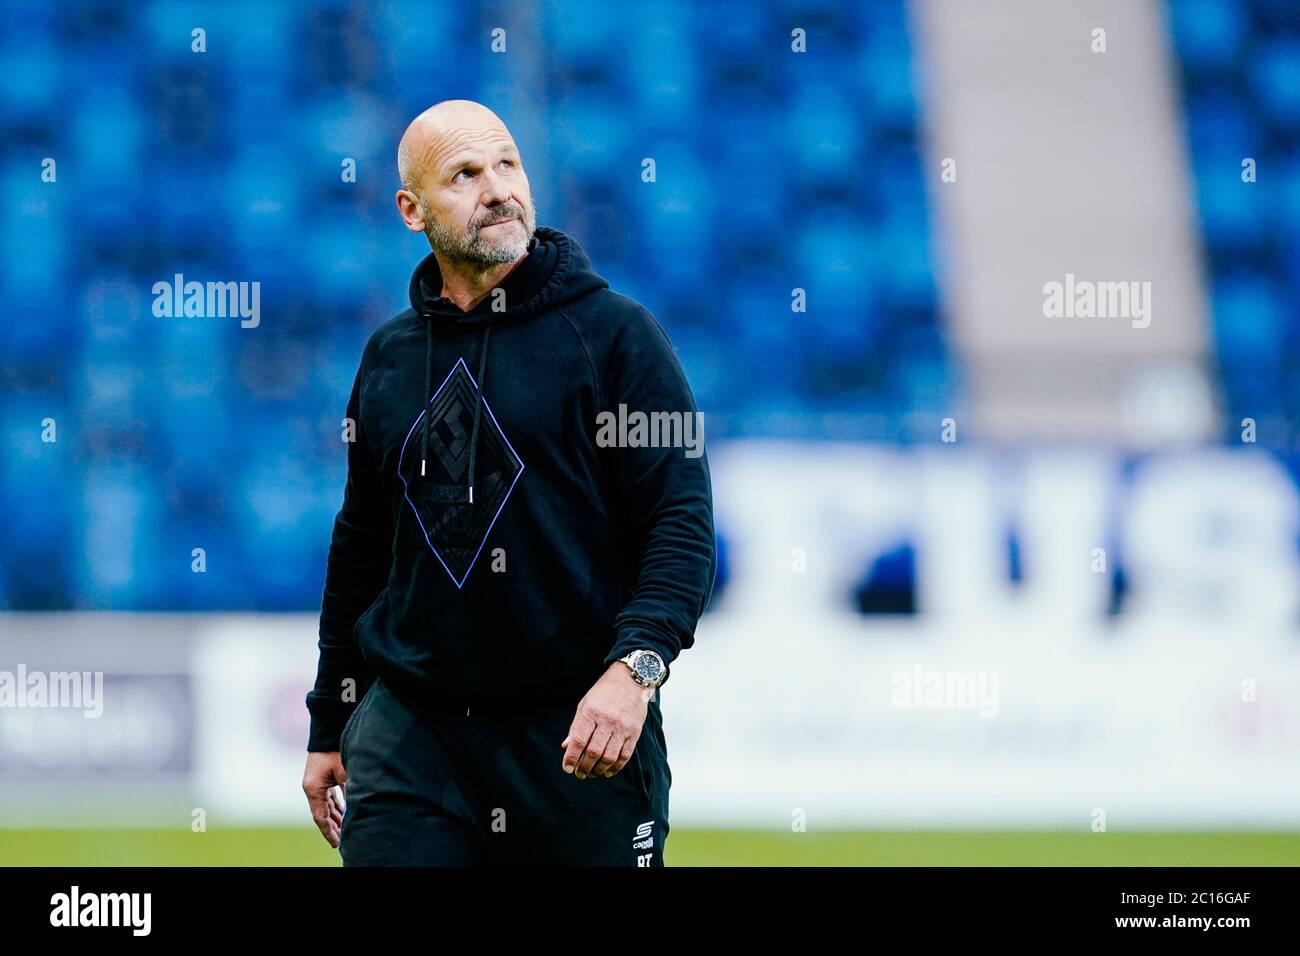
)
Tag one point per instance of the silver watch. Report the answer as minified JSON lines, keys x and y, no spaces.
{"x":648,"y":668}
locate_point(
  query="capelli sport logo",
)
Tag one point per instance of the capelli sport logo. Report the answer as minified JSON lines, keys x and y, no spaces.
{"x":643,"y":840}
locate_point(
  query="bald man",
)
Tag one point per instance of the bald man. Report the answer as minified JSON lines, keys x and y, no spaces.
{"x":514,"y":568}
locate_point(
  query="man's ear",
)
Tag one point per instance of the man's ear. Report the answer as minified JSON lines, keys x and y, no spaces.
{"x":408,"y":207}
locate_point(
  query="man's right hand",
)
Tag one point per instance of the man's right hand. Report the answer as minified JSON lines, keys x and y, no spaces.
{"x":323,"y":781}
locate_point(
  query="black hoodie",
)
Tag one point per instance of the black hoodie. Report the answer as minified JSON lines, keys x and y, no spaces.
{"x":493,"y":548}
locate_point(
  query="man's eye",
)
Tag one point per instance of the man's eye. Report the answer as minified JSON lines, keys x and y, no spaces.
{"x":464,"y":172}
{"x":507,"y":162}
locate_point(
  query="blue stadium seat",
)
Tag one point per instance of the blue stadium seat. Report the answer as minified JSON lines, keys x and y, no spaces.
{"x":225,"y":165}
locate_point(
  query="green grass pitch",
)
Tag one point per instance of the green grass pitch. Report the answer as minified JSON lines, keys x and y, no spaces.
{"x":304,"y":847}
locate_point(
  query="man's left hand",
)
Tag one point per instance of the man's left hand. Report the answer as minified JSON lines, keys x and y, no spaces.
{"x":607,"y":725}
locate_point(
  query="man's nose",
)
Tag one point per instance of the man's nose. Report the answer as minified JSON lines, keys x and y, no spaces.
{"x":495,"y":190}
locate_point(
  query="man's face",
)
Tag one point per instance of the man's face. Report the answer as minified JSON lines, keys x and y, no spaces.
{"x":476,"y":200}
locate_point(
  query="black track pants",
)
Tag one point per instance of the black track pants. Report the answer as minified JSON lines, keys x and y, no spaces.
{"x":466,"y":785}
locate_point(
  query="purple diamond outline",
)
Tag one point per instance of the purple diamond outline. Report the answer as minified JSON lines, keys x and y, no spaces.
{"x":406,"y":488}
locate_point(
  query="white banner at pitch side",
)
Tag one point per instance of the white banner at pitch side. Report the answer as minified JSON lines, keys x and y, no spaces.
{"x":845,"y":722}
{"x":998,"y":703}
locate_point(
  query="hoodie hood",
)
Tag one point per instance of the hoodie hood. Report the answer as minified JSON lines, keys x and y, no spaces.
{"x":555,"y":271}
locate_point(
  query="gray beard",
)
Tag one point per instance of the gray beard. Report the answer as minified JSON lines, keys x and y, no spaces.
{"x":472,"y":249}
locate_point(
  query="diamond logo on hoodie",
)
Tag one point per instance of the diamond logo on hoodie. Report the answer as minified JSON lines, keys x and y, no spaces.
{"x":454,"y":528}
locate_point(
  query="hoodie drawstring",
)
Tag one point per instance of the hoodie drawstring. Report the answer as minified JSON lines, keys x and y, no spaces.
{"x":428,"y":385}
{"x":478,"y":410}
{"x":478,"y":403}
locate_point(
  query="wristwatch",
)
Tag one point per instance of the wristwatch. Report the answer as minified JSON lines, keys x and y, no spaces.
{"x":648,"y":668}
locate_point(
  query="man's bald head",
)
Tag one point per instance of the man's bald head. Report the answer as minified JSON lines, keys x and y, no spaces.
{"x":463,"y":184}
{"x":439,"y":128}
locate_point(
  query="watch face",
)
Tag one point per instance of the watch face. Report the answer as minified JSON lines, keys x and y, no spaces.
{"x":648,"y":667}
